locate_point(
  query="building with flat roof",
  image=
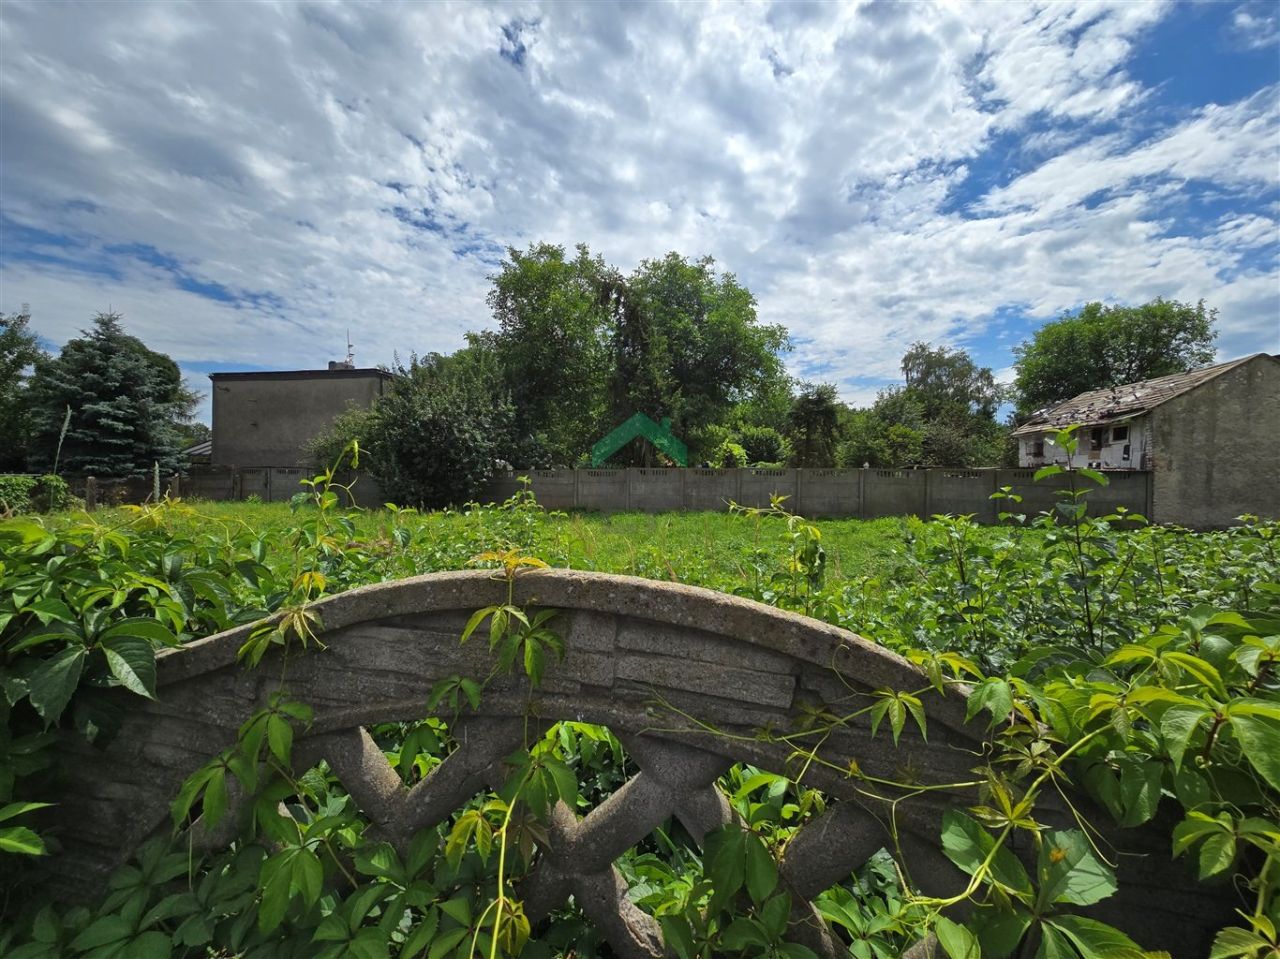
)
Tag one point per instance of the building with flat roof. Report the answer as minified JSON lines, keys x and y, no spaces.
{"x":266,"y":419}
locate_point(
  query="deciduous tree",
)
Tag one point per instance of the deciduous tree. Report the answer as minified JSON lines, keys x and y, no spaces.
{"x":1105,"y":346}
{"x":19,"y":350}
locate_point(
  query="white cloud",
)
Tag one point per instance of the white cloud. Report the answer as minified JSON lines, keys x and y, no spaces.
{"x":817,"y":151}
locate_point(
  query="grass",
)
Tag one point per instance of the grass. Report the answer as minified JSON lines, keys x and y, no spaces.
{"x":718,"y":550}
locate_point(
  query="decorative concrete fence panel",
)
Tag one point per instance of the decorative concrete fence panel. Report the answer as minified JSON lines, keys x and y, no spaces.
{"x":825,"y":493}
{"x":254,"y":482}
{"x":757,"y":486}
{"x":962,"y":492}
{"x":286,"y":482}
{"x":685,"y":677}
{"x":656,"y":490}
{"x":893,"y":493}
{"x":210,"y":483}
{"x":710,"y":489}
{"x":555,"y":489}
{"x":603,"y":489}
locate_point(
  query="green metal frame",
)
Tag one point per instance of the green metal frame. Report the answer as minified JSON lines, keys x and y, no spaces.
{"x":641,"y":425}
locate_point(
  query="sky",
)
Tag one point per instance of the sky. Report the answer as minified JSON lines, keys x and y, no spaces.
{"x":247,"y":182}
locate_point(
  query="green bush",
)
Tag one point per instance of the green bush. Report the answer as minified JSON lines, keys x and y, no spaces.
{"x":15,"y":493}
{"x":729,"y":455}
{"x":51,"y":494}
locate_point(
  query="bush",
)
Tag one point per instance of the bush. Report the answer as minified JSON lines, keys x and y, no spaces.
{"x":729,"y":455}
{"x":435,"y":440}
{"x":51,"y":494}
{"x":764,"y":445}
{"x":15,"y":493}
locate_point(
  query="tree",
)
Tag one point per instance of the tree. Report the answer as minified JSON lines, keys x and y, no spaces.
{"x":437,"y":437}
{"x":946,"y":380}
{"x":814,"y":425}
{"x":19,"y":350}
{"x":688,"y":344}
{"x":552,"y":345}
{"x":1107,"y":346}
{"x":125,"y":401}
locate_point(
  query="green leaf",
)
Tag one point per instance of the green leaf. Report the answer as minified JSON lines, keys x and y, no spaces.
{"x":15,"y":809}
{"x":1177,"y":726}
{"x":762,"y":870}
{"x":1069,"y":871}
{"x":742,"y":933}
{"x":446,"y":941}
{"x":1217,"y":854}
{"x":1139,"y":790}
{"x":967,"y":845}
{"x":1259,"y":740}
{"x":678,"y":935}
{"x":1234,"y":942}
{"x":21,"y":841}
{"x":422,"y":936}
{"x":956,"y":940}
{"x":726,"y":864}
{"x":1000,"y":930}
{"x":133,"y":662}
{"x":1054,"y":945}
{"x":280,"y":738}
{"x":141,"y":627}
{"x":992,"y":694}
{"x":1096,"y":940}
{"x":54,"y":680}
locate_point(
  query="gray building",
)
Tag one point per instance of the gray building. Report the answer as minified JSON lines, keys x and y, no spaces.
{"x":267,"y":419}
{"x":1211,"y":437}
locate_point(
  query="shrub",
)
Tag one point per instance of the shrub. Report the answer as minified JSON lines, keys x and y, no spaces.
{"x":15,"y":493}
{"x":764,"y":445}
{"x":436,"y":440}
{"x":729,"y":455}
{"x":51,"y":494}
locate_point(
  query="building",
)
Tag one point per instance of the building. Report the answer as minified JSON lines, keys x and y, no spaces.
{"x":267,"y":419}
{"x":1208,"y":436}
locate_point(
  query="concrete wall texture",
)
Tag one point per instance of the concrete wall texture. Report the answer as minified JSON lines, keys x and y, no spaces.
{"x":1215,"y":451}
{"x":266,"y":419}
{"x":818,"y":493}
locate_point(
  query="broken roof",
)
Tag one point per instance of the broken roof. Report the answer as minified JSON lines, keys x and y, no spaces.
{"x":1123,"y":402}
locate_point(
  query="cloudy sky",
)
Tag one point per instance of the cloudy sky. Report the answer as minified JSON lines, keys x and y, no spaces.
{"x":246,"y":181}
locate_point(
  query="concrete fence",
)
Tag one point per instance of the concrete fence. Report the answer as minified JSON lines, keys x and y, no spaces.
{"x":685,"y":677}
{"x":854,"y":493}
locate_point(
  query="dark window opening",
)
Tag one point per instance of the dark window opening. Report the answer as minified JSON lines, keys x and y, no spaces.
{"x":1126,"y":451}
{"x":1119,"y":434}
{"x":1097,"y":437}
{"x":1037,"y":448}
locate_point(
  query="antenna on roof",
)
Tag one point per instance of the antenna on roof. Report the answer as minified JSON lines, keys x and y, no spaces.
{"x":351,"y":357}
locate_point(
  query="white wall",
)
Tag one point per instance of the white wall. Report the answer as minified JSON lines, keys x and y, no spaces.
{"x":1111,"y":454}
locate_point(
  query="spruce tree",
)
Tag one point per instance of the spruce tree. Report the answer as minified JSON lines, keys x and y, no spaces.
{"x":125,"y":400}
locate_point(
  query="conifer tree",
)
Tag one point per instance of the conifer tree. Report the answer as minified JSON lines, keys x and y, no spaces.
{"x":125,"y":400}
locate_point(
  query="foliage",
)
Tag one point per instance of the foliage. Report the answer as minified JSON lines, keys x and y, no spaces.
{"x":1106,"y":346}
{"x":871,"y":441}
{"x":763,"y":445}
{"x":552,"y":344}
{"x":1138,"y":662}
{"x":581,"y":348}
{"x":352,"y":425}
{"x":729,"y":455}
{"x":38,"y":494}
{"x":125,"y":402}
{"x":19,"y":350}
{"x":812,"y":425}
{"x":946,"y":380}
{"x":436,"y":438}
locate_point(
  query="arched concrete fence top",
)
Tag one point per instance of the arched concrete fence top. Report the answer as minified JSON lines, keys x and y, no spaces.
{"x":686,"y":677}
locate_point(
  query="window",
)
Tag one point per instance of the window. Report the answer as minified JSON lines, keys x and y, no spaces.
{"x":1037,"y":448}
{"x":1126,"y":451}
{"x":1119,"y":434}
{"x":1097,"y":436}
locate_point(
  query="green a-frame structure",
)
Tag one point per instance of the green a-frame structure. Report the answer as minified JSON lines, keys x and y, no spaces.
{"x":641,"y":425}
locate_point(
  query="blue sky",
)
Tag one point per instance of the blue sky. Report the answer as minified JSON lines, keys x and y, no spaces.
{"x":247,"y":183}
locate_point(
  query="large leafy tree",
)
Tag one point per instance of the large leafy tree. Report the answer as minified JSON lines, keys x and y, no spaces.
{"x":125,"y":403}
{"x":1106,"y":346}
{"x":552,"y":346}
{"x":19,"y":350}
{"x":687,"y":344}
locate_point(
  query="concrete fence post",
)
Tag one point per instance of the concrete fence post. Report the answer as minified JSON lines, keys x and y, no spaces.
{"x":90,"y":493}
